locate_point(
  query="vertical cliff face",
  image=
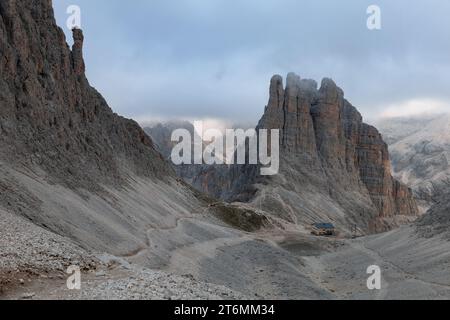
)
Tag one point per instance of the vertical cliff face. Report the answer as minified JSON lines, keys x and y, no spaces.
{"x":329,"y":133}
{"x":289,"y":109}
{"x":49,"y":114}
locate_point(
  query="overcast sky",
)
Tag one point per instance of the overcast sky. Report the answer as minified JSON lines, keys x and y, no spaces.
{"x":197,"y":59}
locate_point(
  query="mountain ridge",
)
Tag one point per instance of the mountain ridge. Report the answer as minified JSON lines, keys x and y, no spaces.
{"x":52,"y":116}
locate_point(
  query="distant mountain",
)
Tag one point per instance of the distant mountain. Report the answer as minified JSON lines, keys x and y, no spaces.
{"x":420,"y":152}
{"x":398,"y":128}
{"x":161,"y":134}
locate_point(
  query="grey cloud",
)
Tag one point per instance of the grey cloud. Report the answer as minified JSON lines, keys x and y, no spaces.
{"x":214,"y":58}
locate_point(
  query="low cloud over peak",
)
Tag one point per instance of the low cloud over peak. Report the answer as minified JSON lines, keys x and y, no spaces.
{"x":196,"y":59}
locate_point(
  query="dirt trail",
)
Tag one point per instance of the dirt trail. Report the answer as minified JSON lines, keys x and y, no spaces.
{"x":191,"y":256}
{"x":142,"y":251}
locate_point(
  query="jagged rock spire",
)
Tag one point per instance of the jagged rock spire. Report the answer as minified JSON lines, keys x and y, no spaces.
{"x":77,"y":51}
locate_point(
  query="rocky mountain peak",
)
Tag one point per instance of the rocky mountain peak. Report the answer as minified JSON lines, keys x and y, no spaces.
{"x":328,"y":134}
{"x":330,"y":93}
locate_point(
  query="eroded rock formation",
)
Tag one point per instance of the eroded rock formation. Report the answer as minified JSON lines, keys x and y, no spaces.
{"x":326,"y":128}
{"x":333,"y":165}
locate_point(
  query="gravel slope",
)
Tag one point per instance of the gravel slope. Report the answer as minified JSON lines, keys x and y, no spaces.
{"x":412,"y":267}
{"x":28,"y":251}
{"x":33,"y":262}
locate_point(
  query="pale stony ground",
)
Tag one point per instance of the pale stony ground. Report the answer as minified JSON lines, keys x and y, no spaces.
{"x":205,"y":269}
{"x":255,"y":266}
{"x":160,"y":226}
{"x":172,"y":247}
{"x":125,"y":282}
{"x":412,"y":267}
{"x":33,"y":262}
{"x":27,"y":252}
